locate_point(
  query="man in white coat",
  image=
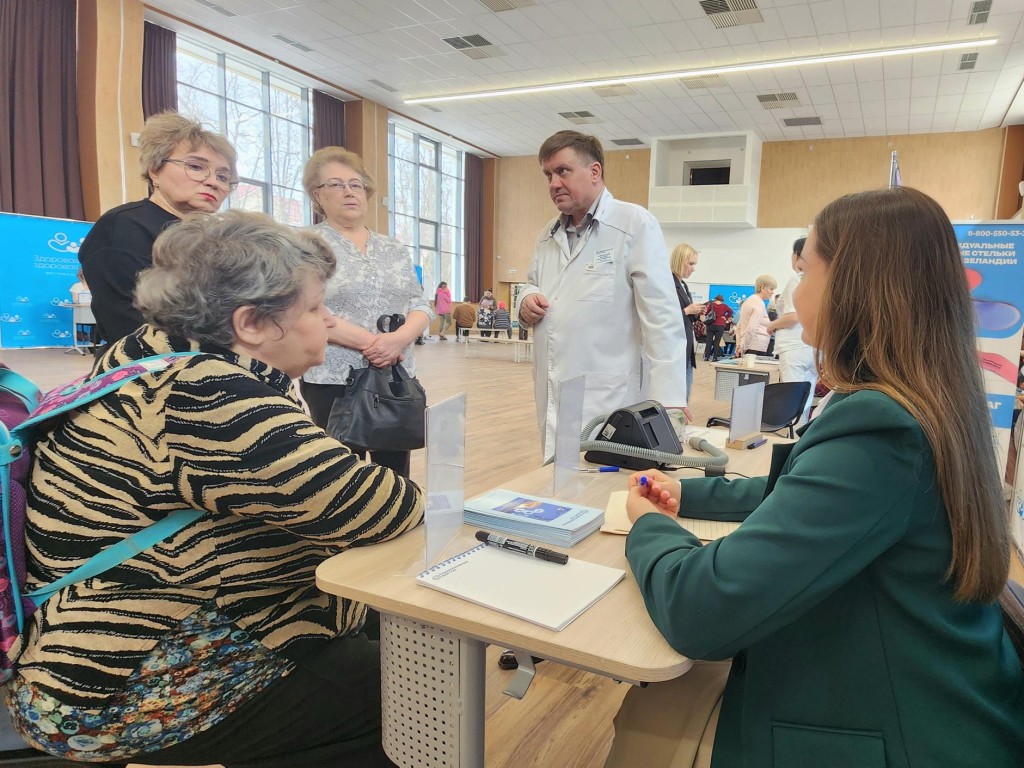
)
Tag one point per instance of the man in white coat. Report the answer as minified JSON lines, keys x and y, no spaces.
{"x":600,"y":294}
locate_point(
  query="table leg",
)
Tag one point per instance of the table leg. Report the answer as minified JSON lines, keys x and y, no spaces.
{"x":432,"y":692}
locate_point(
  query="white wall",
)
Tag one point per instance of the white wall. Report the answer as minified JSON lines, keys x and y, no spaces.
{"x":737,"y":256}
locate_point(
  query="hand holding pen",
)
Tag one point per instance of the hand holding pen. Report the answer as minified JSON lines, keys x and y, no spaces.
{"x":652,"y":491}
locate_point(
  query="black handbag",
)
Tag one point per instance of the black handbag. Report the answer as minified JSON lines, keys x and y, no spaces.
{"x":382,"y":410}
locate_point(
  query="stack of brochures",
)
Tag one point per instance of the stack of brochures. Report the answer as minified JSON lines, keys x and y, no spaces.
{"x":548,"y":520}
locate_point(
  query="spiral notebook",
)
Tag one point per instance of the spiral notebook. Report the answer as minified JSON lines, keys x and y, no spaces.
{"x":547,"y":594}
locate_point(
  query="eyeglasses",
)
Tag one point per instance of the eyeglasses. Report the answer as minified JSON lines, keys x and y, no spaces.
{"x":199,"y":171}
{"x":340,"y":186}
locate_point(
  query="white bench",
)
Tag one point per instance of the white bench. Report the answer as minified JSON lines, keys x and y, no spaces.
{"x":522,"y":349}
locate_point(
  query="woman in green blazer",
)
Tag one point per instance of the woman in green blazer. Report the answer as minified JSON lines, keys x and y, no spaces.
{"x":856,"y":600}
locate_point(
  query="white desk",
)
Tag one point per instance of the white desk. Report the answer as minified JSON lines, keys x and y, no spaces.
{"x":81,"y":316}
{"x":728,"y":376}
{"x":432,"y":644}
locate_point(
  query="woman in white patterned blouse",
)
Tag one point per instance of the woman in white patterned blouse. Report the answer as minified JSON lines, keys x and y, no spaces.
{"x":375,"y":277}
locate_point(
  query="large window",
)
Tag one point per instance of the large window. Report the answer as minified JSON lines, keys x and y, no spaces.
{"x":266,"y":119}
{"x":427,"y":185}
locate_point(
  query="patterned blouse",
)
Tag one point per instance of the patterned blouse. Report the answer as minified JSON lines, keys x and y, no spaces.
{"x":380,"y":282}
{"x":217,"y":432}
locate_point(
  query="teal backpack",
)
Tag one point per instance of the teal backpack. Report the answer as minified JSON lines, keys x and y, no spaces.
{"x":21,"y":411}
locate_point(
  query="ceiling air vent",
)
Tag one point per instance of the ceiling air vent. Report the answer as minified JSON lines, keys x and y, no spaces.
{"x":474,"y":46}
{"x":979,"y":11}
{"x":778,"y":100}
{"x":293,"y":43}
{"x":967,"y":61}
{"x":607,"y":91}
{"x":385,"y":86}
{"x":731,"y":13}
{"x":217,"y":8}
{"x":793,"y":122}
{"x":581,"y":118}
{"x":628,"y":142}
{"x":704,"y":81}
{"x":507,"y":5}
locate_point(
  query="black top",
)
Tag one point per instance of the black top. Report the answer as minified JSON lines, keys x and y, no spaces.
{"x":117,"y":248}
{"x":685,"y":300}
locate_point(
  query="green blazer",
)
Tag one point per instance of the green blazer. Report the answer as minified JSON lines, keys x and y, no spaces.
{"x":848,"y":648}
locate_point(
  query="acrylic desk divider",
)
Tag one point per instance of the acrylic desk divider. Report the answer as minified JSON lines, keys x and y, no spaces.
{"x":568,"y":427}
{"x":745,"y":417}
{"x":446,"y":467}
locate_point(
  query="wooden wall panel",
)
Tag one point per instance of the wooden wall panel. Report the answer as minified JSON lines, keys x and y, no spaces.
{"x":960,"y":170}
{"x":109,"y":54}
{"x":1009,"y":199}
{"x":366,"y":134}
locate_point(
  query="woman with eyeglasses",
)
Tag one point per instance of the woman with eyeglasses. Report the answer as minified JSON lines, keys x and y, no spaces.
{"x":375,"y":278}
{"x":188,"y":169}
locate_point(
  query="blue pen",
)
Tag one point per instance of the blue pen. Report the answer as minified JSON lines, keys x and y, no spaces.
{"x":644,"y":480}
{"x":598,"y":469}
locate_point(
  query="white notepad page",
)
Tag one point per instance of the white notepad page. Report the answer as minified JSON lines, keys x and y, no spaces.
{"x":548,"y":594}
{"x":617,"y":521}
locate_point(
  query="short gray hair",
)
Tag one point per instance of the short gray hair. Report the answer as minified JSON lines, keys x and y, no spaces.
{"x":163,"y":132}
{"x":209,"y":265}
{"x":765,"y":281}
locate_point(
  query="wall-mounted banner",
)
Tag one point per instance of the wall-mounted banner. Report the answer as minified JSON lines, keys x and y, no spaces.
{"x":733,"y":295}
{"x":40,"y":263}
{"x":992,"y":255}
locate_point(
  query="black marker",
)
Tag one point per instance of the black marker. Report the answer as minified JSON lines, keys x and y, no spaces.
{"x":530,"y":550}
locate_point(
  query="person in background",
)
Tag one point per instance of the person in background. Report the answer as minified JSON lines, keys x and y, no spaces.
{"x":443,"y":309}
{"x":502,"y":320}
{"x":857,"y":599}
{"x":214,"y":646}
{"x":82,"y":315}
{"x":752,"y":333}
{"x":682,"y":263}
{"x":375,"y":278}
{"x":465,"y":316}
{"x":599,"y":294}
{"x":729,"y":339}
{"x":187,"y":169}
{"x":721,"y":318}
{"x":796,"y":358}
{"x":485,"y":314}
{"x":772,"y":311}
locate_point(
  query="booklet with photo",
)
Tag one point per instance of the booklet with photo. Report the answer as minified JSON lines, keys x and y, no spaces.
{"x":549,"y":520}
{"x":548,"y":594}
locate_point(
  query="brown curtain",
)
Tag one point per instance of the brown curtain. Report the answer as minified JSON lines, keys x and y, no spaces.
{"x":39,"y":168}
{"x":159,"y":70}
{"x":473,"y":218}
{"x":328,"y":121}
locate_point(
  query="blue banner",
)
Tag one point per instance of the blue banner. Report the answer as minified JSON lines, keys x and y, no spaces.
{"x":40,"y":264}
{"x":733,"y":295}
{"x":995,"y":275}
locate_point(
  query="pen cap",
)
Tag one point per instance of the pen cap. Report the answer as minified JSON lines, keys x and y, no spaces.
{"x":482,"y":536}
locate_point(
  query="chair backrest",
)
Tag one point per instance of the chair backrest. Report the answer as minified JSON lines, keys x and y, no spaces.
{"x":783,"y":404}
{"x":1011,"y":601}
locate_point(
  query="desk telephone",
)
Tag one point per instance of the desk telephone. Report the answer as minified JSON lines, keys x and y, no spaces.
{"x":641,"y":436}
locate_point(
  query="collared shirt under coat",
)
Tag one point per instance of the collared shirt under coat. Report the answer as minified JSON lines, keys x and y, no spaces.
{"x":613,"y":315}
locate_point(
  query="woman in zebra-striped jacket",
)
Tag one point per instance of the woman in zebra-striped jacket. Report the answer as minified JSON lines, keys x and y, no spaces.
{"x":214,"y":646}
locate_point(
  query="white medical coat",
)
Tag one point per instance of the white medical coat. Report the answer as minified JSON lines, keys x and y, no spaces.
{"x":613,"y":316}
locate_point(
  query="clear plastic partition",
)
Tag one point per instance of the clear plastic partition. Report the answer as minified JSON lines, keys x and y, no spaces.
{"x":568,"y":427}
{"x":446,"y":467}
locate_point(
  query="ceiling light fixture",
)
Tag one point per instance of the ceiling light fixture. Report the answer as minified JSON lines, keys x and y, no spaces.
{"x":878,"y":53}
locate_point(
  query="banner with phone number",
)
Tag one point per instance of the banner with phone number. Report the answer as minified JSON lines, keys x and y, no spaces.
{"x":992,"y":255}
{"x":40,"y":263}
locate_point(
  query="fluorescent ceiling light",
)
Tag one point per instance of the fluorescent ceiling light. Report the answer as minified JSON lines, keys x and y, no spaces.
{"x":832,"y":58}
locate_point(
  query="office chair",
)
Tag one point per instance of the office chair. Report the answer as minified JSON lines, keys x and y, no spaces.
{"x":783,"y":405}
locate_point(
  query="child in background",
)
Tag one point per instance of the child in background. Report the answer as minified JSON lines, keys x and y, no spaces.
{"x":443,"y":309}
{"x":502,"y":321}
{"x":729,"y":337}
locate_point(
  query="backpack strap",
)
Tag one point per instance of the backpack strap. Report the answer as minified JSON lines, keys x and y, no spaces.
{"x":74,"y":395}
{"x":20,"y":387}
{"x":119,"y":553}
